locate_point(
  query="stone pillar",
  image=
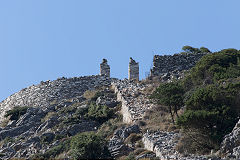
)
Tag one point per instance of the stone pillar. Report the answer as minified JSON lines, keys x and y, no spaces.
{"x":133,"y":70}
{"x":104,"y":68}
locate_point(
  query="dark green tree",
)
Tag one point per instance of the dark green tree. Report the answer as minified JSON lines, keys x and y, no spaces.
{"x":214,"y":67}
{"x":211,"y":110}
{"x":171,"y":95}
{"x":189,"y":49}
{"x":204,"y":50}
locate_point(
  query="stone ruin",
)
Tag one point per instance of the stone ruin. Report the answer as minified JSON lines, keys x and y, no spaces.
{"x":104,"y":68}
{"x":133,"y":70}
{"x":174,"y":63}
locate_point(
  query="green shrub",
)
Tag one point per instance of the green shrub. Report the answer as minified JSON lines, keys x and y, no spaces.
{"x":212,"y":111}
{"x":16,"y":112}
{"x":54,"y":151}
{"x":88,"y":145}
{"x":2,"y":154}
{"x":204,"y":50}
{"x":99,"y":113}
{"x":214,"y":67}
{"x":189,"y":49}
{"x":130,"y":157}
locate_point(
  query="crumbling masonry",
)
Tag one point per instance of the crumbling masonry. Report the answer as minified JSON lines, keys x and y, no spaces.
{"x":133,"y":70}
{"x":104,"y":68}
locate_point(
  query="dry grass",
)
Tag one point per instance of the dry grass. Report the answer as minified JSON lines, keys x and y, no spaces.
{"x":108,"y":128}
{"x":195,"y":142}
{"x":133,"y":138}
{"x":49,"y":115}
{"x":158,"y":118}
{"x":5,"y":122}
{"x":89,"y":94}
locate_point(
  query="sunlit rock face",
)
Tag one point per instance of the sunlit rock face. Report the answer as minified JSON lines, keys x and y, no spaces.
{"x":43,"y":94}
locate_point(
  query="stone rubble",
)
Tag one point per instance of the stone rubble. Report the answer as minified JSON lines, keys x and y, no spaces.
{"x":45,"y":93}
{"x":162,"y":143}
{"x":23,"y":138}
{"x":116,"y":144}
{"x":134,"y":104}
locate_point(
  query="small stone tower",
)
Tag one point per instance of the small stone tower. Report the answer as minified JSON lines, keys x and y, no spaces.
{"x":133,"y":70}
{"x":104,"y":68}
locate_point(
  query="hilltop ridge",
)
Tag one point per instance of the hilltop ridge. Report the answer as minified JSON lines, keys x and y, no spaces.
{"x":46,"y":120}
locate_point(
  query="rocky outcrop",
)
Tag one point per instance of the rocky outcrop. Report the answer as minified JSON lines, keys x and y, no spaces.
{"x":116,"y":144}
{"x":230,"y":147}
{"x":162,"y":143}
{"x":49,"y":116}
{"x":108,"y":98}
{"x":45,"y":93}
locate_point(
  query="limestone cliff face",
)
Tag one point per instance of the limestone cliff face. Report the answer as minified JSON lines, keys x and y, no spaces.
{"x":43,"y":94}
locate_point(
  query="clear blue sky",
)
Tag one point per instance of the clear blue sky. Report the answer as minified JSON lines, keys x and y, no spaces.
{"x":47,"y":39}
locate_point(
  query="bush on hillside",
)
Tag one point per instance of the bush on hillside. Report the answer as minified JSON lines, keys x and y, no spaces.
{"x":214,"y":67}
{"x":189,"y":49}
{"x":99,"y":113}
{"x":212,"y":111}
{"x":16,"y":113}
{"x":204,"y":50}
{"x":88,"y":145}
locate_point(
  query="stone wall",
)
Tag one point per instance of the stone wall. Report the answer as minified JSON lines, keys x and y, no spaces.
{"x":174,"y":63}
{"x":104,"y":68}
{"x":133,"y":70}
{"x":45,"y":93}
{"x":134,"y":103}
{"x":161,"y":143}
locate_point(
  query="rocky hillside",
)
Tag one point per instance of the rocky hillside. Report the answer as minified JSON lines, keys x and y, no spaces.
{"x":97,"y":117}
{"x":45,"y":93}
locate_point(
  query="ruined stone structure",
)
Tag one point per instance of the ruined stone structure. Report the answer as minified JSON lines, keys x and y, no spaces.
{"x":133,"y":70}
{"x":51,"y":96}
{"x":134,"y":103}
{"x":174,"y":63}
{"x":104,"y":68}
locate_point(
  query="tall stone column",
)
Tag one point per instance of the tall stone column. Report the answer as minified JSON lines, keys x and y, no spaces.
{"x":104,"y":68}
{"x":133,"y":70}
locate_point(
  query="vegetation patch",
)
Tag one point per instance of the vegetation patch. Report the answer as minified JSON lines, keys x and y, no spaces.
{"x":48,"y":116}
{"x":16,"y":113}
{"x":107,"y":129}
{"x":89,"y":145}
{"x":99,"y":113}
{"x":210,"y":94}
{"x":64,"y":146}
